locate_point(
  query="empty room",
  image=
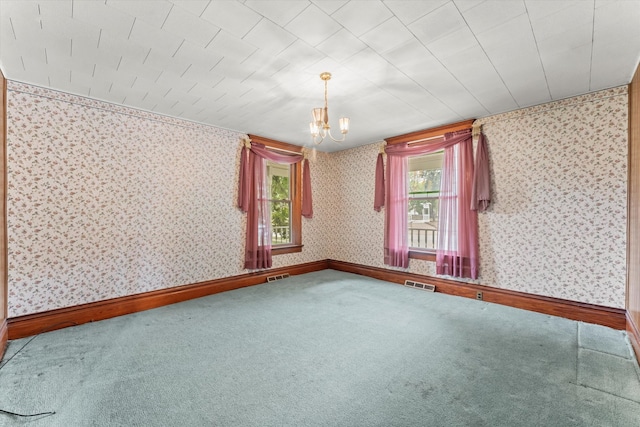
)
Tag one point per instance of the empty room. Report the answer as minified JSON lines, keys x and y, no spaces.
{"x":319,"y":213}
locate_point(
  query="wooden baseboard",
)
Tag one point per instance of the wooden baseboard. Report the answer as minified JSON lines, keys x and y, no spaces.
{"x":634,"y":335}
{"x":590,"y":313}
{"x":4,"y":337}
{"x":23,"y":326}
{"x":32,"y":324}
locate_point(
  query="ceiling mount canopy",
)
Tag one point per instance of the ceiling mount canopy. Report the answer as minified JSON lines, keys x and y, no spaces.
{"x":319,"y":127}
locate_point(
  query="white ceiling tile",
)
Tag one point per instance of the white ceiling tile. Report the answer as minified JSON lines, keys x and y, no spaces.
{"x":116,"y":77}
{"x":491,"y":13}
{"x":269,"y":37}
{"x":232,"y":69}
{"x":341,"y":45}
{"x":147,"y":36}
{"x":153,"y":12}
{"x":329,"y":6}
{"x":562,"y":81}
{"x":69,"y":28}
{"x":195,"y":7}
{"x":137,"y":69}
{"x":160,"y":61}
{"x":464,"y":5}
{"x":579,"y":37}
{"x":313,"y":26}
{"x":608,"y":27}
{"x":409,"y":11}
{"x":174,"y":81}
{"x":189,"y":53}
{"x":511,"y":34}
{"x":540,"y":9}
{"x":279,"y":11}
{"x":577,"y":16}
{"x":35,"y":70}
{"x":104,"y":17}
{"x":366,"y":60}
{"x":264,"y":62}
{"x":613,"y":64}
{"x":387,"y":35}
{"x":495,"y":99}
{"x":231,"y":16}
{"x":198,"y":74}
{"x":360,"y":16}
{"x":411,"y":57}
{"x":57,"y":8}
{"x":442,"y":21}
{"x":300,"y":55}
{"x":185,"y":25}
{"x":453,"y":43}
{"x":113,"y":48}
{"x":229,"y":46}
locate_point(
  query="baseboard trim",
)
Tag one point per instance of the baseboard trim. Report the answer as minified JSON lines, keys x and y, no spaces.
{"x":4,"y":337}
{"x":634,"y":335}
{"x":590,"y":313}
{"x":32,"y":324}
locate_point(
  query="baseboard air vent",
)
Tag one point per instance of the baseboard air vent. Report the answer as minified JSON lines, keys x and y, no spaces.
{"x":277,"y":277}
{"x":418,"y":285}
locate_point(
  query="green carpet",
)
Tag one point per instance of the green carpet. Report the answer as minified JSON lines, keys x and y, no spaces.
{"x":325,"y":349}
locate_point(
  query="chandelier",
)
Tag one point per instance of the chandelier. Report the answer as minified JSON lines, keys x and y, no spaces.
{"x":319,"y":127}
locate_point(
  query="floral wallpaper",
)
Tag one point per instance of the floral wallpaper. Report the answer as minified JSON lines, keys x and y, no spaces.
{"x":105,"y":201}
{"x":557,"y":222}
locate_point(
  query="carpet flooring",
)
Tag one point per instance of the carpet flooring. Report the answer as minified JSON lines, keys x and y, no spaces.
{"x":324,"y":349}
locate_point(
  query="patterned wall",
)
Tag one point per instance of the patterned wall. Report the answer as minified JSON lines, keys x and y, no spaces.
{"x":559,"y":221}
{"x":557,"y":225}
{"x":106,"y":201}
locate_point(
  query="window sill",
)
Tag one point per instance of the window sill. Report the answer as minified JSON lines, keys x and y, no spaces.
{"x":286,"y":249}
{"x":423,"y":255}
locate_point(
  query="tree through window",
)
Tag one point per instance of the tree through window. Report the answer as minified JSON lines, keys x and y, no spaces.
{"x":424,"y":192}
{"x":279,"y":182}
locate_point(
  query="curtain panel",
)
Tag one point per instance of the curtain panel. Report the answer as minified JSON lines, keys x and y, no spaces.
{"x":481,"y":196}
{"x":253,"y":199}
{"x":458,"y":227}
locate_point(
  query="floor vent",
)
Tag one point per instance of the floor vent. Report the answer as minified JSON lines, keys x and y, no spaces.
{"x":277,"y":277}
{"x":418,"y":285}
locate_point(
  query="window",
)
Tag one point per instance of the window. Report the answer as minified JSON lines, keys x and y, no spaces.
{"x":424,"y":191}
{"x":279,"y":190}
{"x":284,"y":184}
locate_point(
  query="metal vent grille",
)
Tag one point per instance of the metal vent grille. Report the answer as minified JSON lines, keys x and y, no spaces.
{"x":418,"y":285}
{"x":277,"y":277}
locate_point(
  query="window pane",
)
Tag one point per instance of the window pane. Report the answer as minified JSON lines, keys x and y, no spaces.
{"x":278,"y":178}
{"x":280,"y":222}
{"x":424,"y":189}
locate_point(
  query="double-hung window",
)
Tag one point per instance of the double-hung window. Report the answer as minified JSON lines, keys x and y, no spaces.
{"x":425,"y":172}
{"x":279,"y":191}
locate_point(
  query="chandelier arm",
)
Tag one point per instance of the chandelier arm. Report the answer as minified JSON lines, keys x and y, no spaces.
{"x":344,"y":136}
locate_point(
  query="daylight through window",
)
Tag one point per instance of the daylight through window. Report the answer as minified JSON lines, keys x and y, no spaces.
{"x":279,"y":190}
{"x":424,"y":191}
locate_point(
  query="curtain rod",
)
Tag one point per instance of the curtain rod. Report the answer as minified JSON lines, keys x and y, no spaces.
{"x":247,"y":143}
{"x":425,"y":139}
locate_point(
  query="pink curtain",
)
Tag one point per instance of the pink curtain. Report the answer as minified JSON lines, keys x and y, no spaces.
{"x":481,"y":196}
{"x":378,"y":200}
{"x":253,"y":190}
{"x":307,"y":204}
{"x":457,"y":252}
{"x":243,"y":191}
{"x":396,"y":246}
